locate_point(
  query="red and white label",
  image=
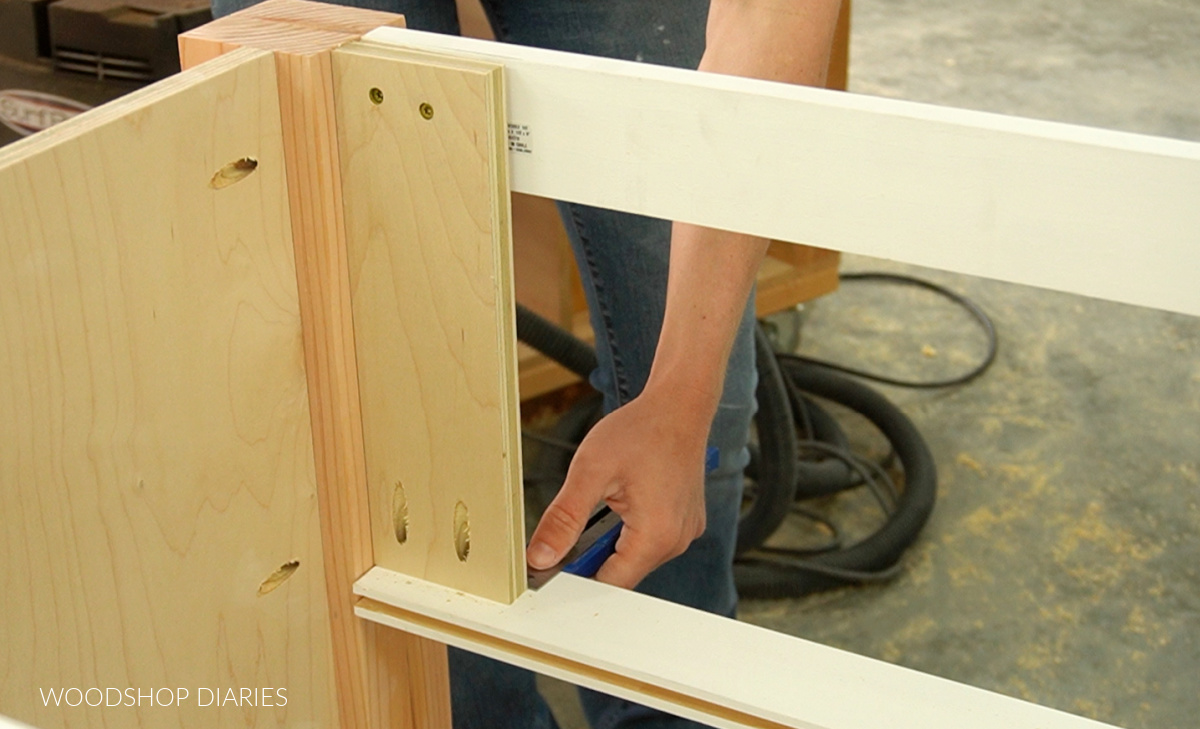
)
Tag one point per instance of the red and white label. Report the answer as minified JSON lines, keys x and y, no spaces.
{"x":26,"y":112}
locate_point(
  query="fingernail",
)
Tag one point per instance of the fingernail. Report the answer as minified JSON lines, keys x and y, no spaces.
{"x":541,"y":556}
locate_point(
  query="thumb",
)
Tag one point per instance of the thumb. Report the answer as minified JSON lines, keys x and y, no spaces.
{"x":566,"y":516}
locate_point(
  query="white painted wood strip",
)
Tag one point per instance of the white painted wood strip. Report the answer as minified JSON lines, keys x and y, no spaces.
{"x":1101,"y":213}
{"x":747,"y":669}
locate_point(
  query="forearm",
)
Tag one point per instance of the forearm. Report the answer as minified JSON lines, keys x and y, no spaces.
{"x":777,"y":40}
{"x":712,"y":272}
{"x":646,"y":458}
{"x":711,"y":275}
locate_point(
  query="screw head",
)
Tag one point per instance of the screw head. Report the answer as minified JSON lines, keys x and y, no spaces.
{"x":376,"y":95}
{"x":426,"y":110}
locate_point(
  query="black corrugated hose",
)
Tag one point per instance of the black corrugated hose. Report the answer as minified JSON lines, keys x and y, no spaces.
{"x":771,"y":575}
{"x":555,"y":342}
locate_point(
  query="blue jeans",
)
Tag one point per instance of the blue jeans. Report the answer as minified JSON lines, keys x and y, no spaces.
{"x":623,"y":262}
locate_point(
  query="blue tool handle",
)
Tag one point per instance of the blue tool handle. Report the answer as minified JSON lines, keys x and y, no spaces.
{"x":589,"y":563}
{"x":712,"y":457}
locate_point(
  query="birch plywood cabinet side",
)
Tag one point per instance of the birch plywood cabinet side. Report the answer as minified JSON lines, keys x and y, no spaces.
{"x":158,"y":515}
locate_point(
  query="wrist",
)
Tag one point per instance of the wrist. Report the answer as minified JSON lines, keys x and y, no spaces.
{"x":688,"y":395}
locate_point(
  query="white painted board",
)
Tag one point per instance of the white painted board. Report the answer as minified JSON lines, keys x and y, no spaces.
{"x":747,"y":669}
{"x":1107,"y":214}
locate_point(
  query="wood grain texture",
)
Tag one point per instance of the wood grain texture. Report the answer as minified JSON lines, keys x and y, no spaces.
{"x":156,"y":462}
{"x":838,"y":76}
{"x":648,"y":650}
{"x":427,"y":222}
{"x":1087,"y":211}
{"x":314,"y":192}
{"x":411,"y":679}
{"x":543,"y":265}
{"x":293,"y":27}
{"x":384,"y":678}
{"x":792,"y":274}
{"x":379,"y":684}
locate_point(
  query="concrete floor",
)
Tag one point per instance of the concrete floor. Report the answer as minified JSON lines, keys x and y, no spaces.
{"x":1060,"y":565}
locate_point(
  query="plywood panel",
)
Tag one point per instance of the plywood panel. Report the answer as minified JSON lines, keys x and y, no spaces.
{"x":427,"y":229}
{"x":158,"y":513}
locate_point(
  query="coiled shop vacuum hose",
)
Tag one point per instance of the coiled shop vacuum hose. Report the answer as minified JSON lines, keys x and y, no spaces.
{"x":776,"y":469}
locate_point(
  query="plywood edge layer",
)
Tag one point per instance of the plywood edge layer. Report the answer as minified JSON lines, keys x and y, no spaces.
{"x":121,"y":108}
{"x":777,"y":679}
{"x":508,"y":371}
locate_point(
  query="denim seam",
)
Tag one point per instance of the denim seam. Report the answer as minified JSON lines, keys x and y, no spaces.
{"x":620,"y":378}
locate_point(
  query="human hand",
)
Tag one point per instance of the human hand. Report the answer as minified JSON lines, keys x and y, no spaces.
{"x":646,"y":461}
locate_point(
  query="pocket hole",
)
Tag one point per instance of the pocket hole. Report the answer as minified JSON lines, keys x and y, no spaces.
{"x":235,"y":171}
{"x":462,"y":532}
{"x":400,"y":513}
{"x":278,"y":577}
